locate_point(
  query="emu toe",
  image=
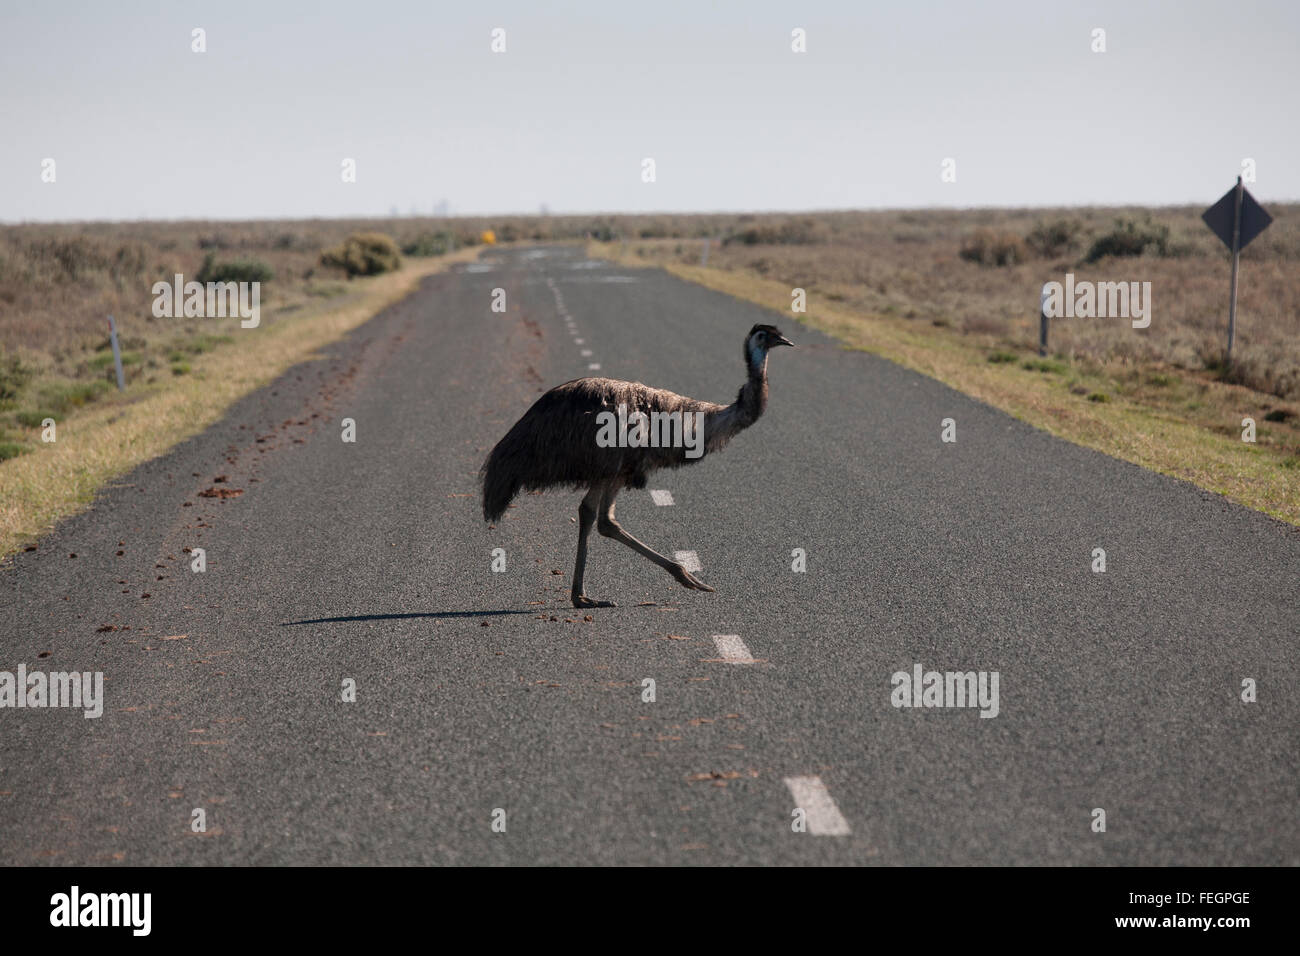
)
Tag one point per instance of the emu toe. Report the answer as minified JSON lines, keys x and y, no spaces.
{"x":689,"y":580}
{"x":581,"y":600}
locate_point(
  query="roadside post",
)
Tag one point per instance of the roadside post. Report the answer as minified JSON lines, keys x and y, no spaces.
{"x":1042,"y":321}
{"x":117,"y":354}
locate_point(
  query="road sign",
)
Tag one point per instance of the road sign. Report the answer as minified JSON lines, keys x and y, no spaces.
{"x":1236,"y":219}
{"x":1254,"y":219}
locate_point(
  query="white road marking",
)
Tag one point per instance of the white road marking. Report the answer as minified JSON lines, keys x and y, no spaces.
{"x":586,"y":353}
{"x":580,"y":342}
{"x":662,"y":498}
{"x":732,"y":649}
{"x":594,"y":367}
{"x":689,"y":560}
{"x":824,"y":817}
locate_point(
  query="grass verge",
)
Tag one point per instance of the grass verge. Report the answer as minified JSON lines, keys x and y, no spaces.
{"x":99,"y":442}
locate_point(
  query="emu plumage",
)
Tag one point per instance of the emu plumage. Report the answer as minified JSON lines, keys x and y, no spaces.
{"x":555,"y":445}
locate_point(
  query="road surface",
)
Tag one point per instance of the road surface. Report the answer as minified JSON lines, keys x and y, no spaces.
{"x":482,"y":696}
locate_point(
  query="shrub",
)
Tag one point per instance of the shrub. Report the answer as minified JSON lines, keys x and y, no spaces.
{"x":75,"y":256}
{"x":989,"y":248}
{"x":795,"y":232}
{"x":1046,"y":366}
{"x":364,"y":254}
{"x":1052,"y":239}
{"x":999,"y":358}
{"x":13,"y":376}
{"x":33,"y":419}
{"x":10,"y":449}
{"x":1130,"y":238}
{"x":61,"y":397}
{"x":428,"y":244}
{"x":238,"y":270}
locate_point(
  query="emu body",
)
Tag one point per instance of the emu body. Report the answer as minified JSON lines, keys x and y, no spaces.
{"x":558,"y":444}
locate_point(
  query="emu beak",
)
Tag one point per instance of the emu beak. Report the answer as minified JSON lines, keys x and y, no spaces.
{"x":782,"y":340}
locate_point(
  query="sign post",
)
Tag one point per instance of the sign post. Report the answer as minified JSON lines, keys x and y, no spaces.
{"x":1236,"y":219}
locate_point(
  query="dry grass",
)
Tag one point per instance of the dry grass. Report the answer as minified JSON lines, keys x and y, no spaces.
{"x":114,"y":434}
{"x":909,"y":265}
{"x":1178,"y":421}
{"x":895,"y":282}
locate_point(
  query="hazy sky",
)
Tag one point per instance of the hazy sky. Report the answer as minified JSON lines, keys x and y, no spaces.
{"x":258,"y":126}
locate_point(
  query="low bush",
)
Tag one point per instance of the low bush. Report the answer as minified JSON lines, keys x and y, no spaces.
{"x":364,"y":254}
{"x":1130,"y":238}
{"x":237,"y":270}
{"x":989,"y":248}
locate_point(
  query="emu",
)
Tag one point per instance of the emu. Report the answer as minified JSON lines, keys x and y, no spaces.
{"x":555,"y":445}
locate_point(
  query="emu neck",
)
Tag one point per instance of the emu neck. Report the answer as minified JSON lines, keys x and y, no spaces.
{"x":721,"y":425}
{"x":752,"y":400}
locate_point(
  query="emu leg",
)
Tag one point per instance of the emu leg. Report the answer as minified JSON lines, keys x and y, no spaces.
{"x":610,"y":528}
{"x":586,"y":518}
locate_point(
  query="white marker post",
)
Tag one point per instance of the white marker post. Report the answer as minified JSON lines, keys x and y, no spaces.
{"x":1042,"y":321}
{"x":117,"y":354}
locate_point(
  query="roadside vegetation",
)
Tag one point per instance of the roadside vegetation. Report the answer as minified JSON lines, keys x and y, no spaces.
{"x":59,"y":283}
{"x":953,"y":294}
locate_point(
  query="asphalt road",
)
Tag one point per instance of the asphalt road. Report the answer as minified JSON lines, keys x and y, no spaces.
{"x":478,"y":691}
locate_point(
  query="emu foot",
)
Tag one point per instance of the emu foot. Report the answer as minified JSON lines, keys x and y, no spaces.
{"x":581,"y":600}
{"x":688,"y":580}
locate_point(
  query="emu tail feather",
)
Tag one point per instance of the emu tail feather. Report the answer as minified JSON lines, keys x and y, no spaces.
{"x":500,"y":482}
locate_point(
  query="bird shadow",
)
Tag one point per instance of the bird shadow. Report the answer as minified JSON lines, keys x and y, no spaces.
{"x":401,"y":617}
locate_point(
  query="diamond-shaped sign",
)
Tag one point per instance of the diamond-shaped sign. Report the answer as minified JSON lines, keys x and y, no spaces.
{"x":1254,"y":219}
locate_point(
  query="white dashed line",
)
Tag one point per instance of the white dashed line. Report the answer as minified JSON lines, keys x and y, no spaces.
{"x":732,"y":649}
{"x":689,"y":560}
{"x":824,"y":817}
{"x":579,"y":341}
{"x":662,"y":498}
{"x":586,"y":353}
{"x":594,"y":367}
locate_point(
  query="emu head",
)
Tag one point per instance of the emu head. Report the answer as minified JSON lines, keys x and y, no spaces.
{"x":760,"y":339}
